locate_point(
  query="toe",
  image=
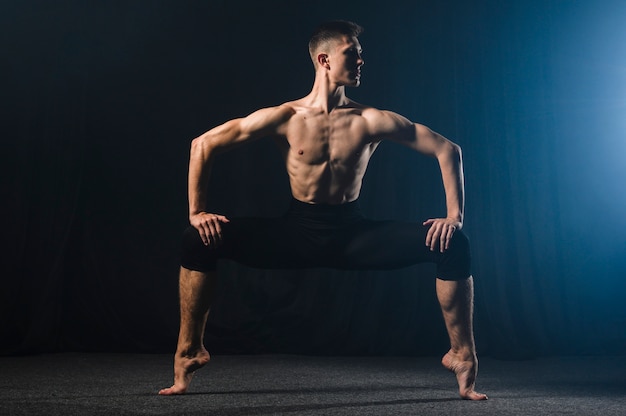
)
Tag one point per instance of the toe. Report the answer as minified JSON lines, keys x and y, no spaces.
{"x":171,"y":391}
{"x":472,"y":395}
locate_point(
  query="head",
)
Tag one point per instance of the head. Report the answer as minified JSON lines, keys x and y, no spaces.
{"x":334,"y":47}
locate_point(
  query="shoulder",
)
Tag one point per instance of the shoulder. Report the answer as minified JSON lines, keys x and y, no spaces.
{"x":268,"y":117}
{"x":279,"y":112}
{"x":384,"y":122}
{"x":379,"y":115}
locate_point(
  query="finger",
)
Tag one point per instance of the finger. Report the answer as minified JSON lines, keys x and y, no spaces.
{"x":429,"y":236}
{"x":435,"y":233}
{"x":218,"y":232}
{"x":223,"y":218}
{"x":443,"y":240}
{"x":212,"y":233}
{"x":436,"y":241}
{"x":451,"y":231}
{"x":204,"y":234}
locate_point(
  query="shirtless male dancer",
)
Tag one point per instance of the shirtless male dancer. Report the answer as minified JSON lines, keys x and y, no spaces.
{"x":326,"y":140}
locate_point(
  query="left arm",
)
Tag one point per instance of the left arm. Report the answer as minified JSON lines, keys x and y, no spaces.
{"x":448,"y":154}
{"x":450,"y":160}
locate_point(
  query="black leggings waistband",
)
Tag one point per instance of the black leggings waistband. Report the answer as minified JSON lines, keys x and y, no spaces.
{"x":348,"y":212}
{"x":347,"y":207}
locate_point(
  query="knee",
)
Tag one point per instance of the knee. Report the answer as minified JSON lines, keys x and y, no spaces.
{"x":456,"y":261}
{"x":194,"y":254}
{"x":191,"y":240}
{"x":460,"y":243}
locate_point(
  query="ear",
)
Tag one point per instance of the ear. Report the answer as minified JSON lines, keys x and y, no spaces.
{"x":322,"y":60}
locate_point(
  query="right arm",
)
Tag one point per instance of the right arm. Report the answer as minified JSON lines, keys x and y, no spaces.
{"x":389,"y":125}
{"x":261,"y":123}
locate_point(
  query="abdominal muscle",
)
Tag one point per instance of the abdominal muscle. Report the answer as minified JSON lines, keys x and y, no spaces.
{"x":333,"y":181}
{"x":320,"y":185}
{"x":326,"y":155}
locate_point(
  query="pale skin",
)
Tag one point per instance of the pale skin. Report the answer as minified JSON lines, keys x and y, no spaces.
{"x":326,"y":141}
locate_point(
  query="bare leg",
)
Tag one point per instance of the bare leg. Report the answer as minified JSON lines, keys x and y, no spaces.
{"x":196,"y":291}
{"x":457,"y":304}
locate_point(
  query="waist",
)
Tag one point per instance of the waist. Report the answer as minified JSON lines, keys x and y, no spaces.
{"x":348,"y":211}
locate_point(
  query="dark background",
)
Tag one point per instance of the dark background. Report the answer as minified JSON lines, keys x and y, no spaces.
{"x":100,"y":101}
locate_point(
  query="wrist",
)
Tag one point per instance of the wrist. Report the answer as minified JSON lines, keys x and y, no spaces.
{"x":456,"y":218}
{"x":196,"y":212}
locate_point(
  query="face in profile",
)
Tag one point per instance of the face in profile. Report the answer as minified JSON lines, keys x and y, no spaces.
{"x":346,"y":62}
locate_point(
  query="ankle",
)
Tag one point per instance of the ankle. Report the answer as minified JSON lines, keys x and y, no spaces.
{"x":190,"y":350}
{"x":463,"y":353}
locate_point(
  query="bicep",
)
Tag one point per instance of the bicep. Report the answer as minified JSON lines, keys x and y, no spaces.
{"x":428,"y":142}
{"x":413,"y":135}
{"x":261,"y":123}
{"x":265,"y":122}
{"x":387,"y":125}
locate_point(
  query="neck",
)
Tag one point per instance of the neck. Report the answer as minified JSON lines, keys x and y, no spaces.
{"x":327,"y":94}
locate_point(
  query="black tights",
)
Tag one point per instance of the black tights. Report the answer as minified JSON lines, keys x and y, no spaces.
{"x":331,"y":236}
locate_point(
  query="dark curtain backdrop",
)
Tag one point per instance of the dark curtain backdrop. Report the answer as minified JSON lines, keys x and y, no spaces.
{"x":100,"y":101}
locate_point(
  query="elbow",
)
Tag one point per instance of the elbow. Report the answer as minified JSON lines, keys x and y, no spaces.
{"x":454,"y":148}
{"x":200,"y":147}
{"x":450,"y":150}
{"x":456,"y":151}
{"x":196,"y":145}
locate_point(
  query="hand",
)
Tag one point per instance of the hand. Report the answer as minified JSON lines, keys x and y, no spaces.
{"x":209,"y":226}
{"x":440,"y":232}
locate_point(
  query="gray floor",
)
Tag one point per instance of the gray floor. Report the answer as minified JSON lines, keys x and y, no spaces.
{"x":124,"y":384}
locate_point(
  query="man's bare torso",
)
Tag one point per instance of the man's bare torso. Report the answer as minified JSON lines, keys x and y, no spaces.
{"x":326,"y":154}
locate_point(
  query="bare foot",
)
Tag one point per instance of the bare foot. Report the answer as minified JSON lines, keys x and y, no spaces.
{"x":465,"y":371}
{"x":184,"y":367}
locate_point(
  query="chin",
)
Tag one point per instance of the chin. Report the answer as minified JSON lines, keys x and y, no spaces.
{"x":351,"y":82}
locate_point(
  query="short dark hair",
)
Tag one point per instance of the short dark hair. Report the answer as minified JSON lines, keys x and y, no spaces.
{"x":332,"y":30}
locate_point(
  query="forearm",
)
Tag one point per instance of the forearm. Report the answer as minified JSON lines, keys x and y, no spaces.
{"x":451,"y":165}
{"x":203,"y":150}
{"x":200,"y":162}
{"x":264,"y":122}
